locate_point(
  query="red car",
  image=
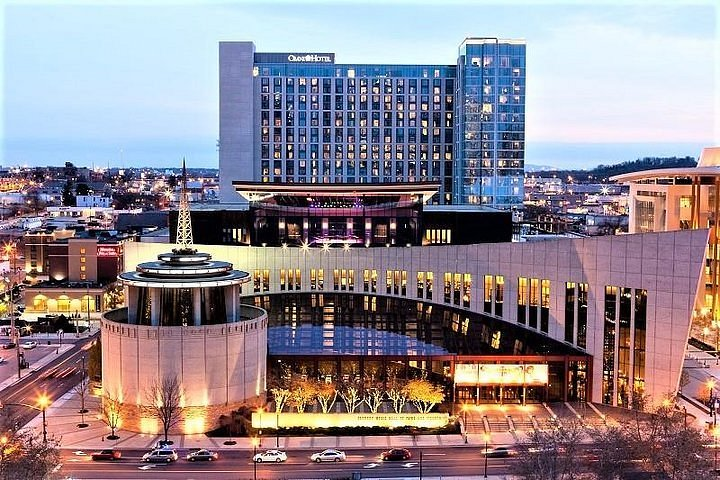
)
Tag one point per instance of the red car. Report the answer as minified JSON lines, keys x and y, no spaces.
{"x":108,"y":454}
{"x":396,"y":454}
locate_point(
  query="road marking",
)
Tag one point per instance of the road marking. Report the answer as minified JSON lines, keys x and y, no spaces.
{"x":146,"y":467}
{"x":434,"y":454}
{"x":371,"y":465}
{"x":409,"y":464}
{"x":79,"y":452}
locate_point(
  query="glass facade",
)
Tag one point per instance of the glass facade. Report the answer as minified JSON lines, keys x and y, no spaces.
{"x":490,"y":127}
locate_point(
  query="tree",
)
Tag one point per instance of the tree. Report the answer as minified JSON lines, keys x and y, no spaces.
{"x":551,"y":454}
{"x":94,"y":367}
{"x":163,"y":401}
{"x":423,"y":394}
{"x":24,"y":455}
{"x":111,"y":409}
{"x":352,"y":398}
{"x":397,"y":395}
{"x":68,"y":199}
{"x":302,"y":393}
{"x":82,"y":189}
{"x":326,"y":394}
{"x":281,"y":396}
{"x":373,"y":399}
{"x":81,"y":390}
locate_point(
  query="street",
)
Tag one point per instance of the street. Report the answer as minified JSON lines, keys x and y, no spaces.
{"x":460,"y":461}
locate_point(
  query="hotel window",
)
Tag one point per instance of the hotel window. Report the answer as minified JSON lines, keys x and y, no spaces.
{"x":534,"y":297}
{"x":256,"y":281}
{"x":82,"y":251}
{"x":570,"y":312}
{"x":282,"y":279}
{"x":499,"y":295}
{"x":420,"y":284}
{"x":522,"y":300}
{"x":487,"y":293}
{"x":82,"y":259}
{"x":544,"y":305}
{"x":266,"y":280}
{"x":336,"y":279}
{"x":396,"y":282}
{"x":83,"y":276}
{"x":608,"y":371}
{"x":403,"y":283}
{"x":447,"y":294}
{"x":467,"y":287}
{"x":82,"y":268}
{"x":388,"y":281}
{"x":373,"y":281}
{"x":366,"y":280}
{"x":582,"y":315}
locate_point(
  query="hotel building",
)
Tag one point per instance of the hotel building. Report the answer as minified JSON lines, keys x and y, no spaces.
{"x":302,"y":118}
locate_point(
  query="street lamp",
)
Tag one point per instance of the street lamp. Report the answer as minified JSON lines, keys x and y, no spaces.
{"x":255,"y":443}
{"x":43,"y":402}
{"x":277,"y":427}
{"x":486,"y":437}
{"x":260,"y":412}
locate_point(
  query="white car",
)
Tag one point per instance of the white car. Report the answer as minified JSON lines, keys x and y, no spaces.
{"x":28,"y":345}
{"x":162,"y":455}
{"x":276,"y":456}
{"x":329,"y":455}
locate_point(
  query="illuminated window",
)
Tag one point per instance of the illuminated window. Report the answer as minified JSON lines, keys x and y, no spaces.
{"x":499,"y":295}
{"x":467,"y":287}
{"x":487,"y":293}
{"x":522,"y":300}
{"x":82,"y":268}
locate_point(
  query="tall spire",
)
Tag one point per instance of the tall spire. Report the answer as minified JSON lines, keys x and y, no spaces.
{"x":184,"y":238}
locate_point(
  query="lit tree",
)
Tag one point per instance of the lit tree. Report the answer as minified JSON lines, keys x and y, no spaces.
{"x":398,"y":397}
{"x":111,"y":409}
{"x":281,"y":395}
{"x":163,"y":398}
{"x":351,"y":397}
{"x":302,"y":393}
{"x":373,"y":399}
{"x":81,"y":390}
{"x":423,"y":394}
{"x":24,"y":455}
{"x":326,"y":394}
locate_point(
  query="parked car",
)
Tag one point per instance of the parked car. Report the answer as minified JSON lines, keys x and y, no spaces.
{"x":329,"y":455}
{"x":270,"y":456}
{"x":165,"y":455}
{"x":202,"y":454}
{"x":9,"y":345}
{"x":28,"y":345}
{"x":107,"y":454}
{"x":498,"y":452}
{"x":395,"y":454}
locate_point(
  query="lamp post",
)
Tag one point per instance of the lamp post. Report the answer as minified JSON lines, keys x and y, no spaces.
{"x":260,"y":412}
{"x":487,"y":437}
{"x":255,"y":443}
{"x":277,"y":427}
{"x":43,"y":402}
{"x":464,"y":410}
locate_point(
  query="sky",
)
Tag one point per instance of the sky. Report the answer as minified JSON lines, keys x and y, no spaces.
{"x":136,"y":83}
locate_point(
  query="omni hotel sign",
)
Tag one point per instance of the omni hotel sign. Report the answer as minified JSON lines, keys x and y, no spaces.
{"x":295,"y":58}
{"x":499,"y":374}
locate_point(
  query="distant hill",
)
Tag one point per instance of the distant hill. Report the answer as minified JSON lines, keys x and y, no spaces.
{"x":602,"y":173}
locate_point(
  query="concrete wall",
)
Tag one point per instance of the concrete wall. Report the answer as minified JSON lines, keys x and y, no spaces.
{"x":668,"y":265}
{"x":217,"y":365}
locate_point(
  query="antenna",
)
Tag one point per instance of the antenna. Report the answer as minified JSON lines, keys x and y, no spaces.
{"x":184,"y":237}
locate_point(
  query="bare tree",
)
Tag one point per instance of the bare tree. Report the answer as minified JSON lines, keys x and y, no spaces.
{"x":281,"y":396}
{"x":398,"y":397}
{"x":163,"y":401}
{"x":111,"y":409}
{"x":551,"y":454}
{"x":81,"y":390}
{"x":326,"y":394}
{"x":23,"y":454}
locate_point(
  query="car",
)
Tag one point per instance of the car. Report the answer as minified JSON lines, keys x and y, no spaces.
{"x":107,"y":454}
{"x":9,"y":345}
{"x":276,"y":456}
{"x":498,"y":452}
{"x":395,"y":454}
{"x":329,"y":455}
{"x":165,"y":455}
{"x":202,"y":454}
{"x":28,"y":345}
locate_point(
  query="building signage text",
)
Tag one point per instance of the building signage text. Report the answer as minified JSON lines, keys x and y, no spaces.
{"x":295,"y":58}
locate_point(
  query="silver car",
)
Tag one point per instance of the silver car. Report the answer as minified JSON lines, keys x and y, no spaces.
{"x":276,"y":456}
{"x":162,"y":455}
{"x":329,"y":455}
